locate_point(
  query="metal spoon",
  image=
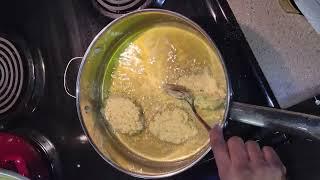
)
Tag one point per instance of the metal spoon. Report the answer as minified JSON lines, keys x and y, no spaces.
{"x":180,"y":92}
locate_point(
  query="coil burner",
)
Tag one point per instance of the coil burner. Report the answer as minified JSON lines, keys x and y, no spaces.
{"x":116,"y":8}
{"x":11,"y":75}
{"x":21,"y":77}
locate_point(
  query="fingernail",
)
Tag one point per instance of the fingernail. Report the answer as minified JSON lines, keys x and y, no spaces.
{"x":217,"y":127}
{"x":216,"y":130}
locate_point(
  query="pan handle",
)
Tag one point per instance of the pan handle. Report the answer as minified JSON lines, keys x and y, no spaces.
{"x":65,"y":75}
{"x":277,"y":119}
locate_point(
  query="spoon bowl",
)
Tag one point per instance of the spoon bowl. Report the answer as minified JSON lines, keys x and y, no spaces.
{"x":182,"y":93}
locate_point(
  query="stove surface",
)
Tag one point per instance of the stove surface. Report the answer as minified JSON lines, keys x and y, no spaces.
{"x":63,"y":29}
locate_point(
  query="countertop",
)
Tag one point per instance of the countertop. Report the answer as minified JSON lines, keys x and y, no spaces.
{"x":286,"y":47}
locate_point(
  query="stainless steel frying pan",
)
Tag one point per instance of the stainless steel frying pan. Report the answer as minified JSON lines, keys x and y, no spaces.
{"x":89,"y":101}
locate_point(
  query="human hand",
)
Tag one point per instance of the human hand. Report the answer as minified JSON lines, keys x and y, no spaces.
{"x":237,"y":160}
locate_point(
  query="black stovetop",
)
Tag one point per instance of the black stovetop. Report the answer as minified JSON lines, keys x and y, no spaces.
{"x":63,"y":29}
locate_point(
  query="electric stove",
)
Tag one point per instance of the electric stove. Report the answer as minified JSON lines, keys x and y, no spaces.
{"x":56,"y":31}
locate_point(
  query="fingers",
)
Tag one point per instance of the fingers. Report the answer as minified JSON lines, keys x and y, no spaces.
{"x":219,"y":148}
{"x":238,"y":152}
{"x":255,"y":154}
{"x":273,"y":159}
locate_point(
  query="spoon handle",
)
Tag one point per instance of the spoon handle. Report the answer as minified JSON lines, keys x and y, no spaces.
{"x":203,"y":122}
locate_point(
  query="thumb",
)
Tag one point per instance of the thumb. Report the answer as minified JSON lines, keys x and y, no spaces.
{"x":219,"y":148}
